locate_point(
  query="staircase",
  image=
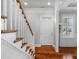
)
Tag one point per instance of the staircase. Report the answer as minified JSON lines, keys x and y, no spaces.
{"x":18,"y":43}
{"x":16,"y":33}
{"x":15,"y":28}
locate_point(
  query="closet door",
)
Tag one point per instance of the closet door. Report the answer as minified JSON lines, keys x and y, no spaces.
{"x":46,"y":28}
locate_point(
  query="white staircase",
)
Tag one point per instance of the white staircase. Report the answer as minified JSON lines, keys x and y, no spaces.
{"x":10,"y":50}
{"x":9,"y":38}
{"x":16,"y":31}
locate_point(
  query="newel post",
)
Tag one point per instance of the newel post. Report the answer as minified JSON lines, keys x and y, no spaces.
{"x":34,"y":41}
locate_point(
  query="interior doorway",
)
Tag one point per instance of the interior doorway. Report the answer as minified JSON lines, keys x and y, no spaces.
{"x":46,"y":30}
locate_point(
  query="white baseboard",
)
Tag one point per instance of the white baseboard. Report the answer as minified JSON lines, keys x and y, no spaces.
{"x":37,"y":45}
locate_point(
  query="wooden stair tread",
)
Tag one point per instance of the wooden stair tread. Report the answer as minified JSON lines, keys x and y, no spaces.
{"x":3,"y":17}
{"x":18,"y":39}
{"x":23,"y":44}
{"x":27,"y":48}
{"x":30,"y":50}
{"x":8,"y":31}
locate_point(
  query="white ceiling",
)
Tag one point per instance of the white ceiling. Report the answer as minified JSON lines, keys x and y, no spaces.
{"x":44,"y":3}
{"x":68,"y":3}
{"x":39,"y":3}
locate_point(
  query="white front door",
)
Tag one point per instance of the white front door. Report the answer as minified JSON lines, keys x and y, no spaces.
{"x":46,"y":30}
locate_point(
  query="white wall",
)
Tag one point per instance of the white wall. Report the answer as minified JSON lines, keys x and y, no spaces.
{"x":33,"y":16}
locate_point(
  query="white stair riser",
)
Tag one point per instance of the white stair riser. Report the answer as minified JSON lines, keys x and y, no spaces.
{"x":9,"y":36}
{"x":24,"y":48}
{"x":3,"y":24}
{"x":19,"y":43}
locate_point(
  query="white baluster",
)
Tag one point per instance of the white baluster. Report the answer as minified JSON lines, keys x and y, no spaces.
{"x":14,"y":18}
{"x":5,"y":24}
{"x":9,"y":14}
{"x":21,"y":22}
{"x":4,"y":7}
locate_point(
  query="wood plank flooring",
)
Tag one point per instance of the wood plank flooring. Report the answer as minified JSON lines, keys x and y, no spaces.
{"x":49,"y":53}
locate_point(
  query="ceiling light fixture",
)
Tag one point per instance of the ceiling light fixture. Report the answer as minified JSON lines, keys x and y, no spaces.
{"x":49,"y":3}
{"x":25,"y":3}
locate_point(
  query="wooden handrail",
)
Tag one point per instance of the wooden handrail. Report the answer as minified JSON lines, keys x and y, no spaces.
{"x":21,"y":7}
{"x":8,"y":31}
{"x":3,"y":17}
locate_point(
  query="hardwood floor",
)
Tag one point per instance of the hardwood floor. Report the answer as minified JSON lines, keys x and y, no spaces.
{"x":49,"y":53}
{"x":68,"y":50}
